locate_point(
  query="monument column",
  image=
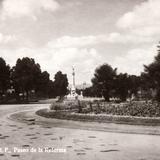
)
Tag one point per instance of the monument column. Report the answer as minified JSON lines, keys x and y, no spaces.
{"x":73,"y":89}
{"x":73,"y":93}
{"x":73,"y":74}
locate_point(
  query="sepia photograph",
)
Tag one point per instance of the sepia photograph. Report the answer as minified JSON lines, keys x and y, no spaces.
{"x":79,"y":79}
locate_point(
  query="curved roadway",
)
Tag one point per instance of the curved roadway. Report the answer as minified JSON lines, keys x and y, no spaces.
{"x":26,"y":136}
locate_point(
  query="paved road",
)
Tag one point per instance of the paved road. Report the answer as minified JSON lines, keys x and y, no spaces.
{"x":35,"y":141}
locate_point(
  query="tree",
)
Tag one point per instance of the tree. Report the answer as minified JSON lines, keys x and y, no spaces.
{"x":60,"y":84}
{"x":25,"y":76}
{"x":122,"y":86}
{"x":42,"y":84}
{"x":152,"y":74}
{"x":92,"y":92}
{"x":4,"y":76}
{"x":103,"y":80}
{"x":134,"y":84}
{"x":51,"y":89}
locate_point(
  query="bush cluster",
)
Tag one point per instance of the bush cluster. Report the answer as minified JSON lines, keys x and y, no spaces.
{"x":65,"y":105}
{"x":140,"y":109}
{"x":98,"y":117}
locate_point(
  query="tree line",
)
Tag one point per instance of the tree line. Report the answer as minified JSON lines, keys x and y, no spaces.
{"x":108,"y":83}
{"x":26,"y":80}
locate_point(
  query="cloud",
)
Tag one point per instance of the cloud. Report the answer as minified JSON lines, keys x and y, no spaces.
{"x":54,"y":59}
{"x":115,"y":37}
{"x":84,"y":59}
{"x":125,"y":38}
{"x":139,"y":26}
{"x":143,"y":20}
{"x":134,"y":60}
{"x":68,"y":41}
{"x":4,"y":39}
{"x":21,"y":8}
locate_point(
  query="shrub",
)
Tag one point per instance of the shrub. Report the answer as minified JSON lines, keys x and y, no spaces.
{"x":57,"y":106}
{"x":140,"y":109}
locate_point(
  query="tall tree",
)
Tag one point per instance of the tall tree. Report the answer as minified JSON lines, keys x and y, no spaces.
{"x":91,"y":92}
{"x":152,"y":74}
{"x":42,"y":84}
{"x":122,"y":86}
{"x":25,"y":75}
{"x":103,"y":80}
{"x":134,"y":84}
{"x":51,"y":89}
{"x":4,"y":76}
{"x":60,"y":84}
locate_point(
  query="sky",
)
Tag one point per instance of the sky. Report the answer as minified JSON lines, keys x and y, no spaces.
{"x":60,"y":34}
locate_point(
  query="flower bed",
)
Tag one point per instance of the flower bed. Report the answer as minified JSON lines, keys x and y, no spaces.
{"x":139,"y":109}
{"x":130,"y":113}
{"x":104,"y":118}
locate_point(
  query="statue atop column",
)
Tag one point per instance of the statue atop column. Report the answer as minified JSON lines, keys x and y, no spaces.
{"x":73,"y":74}
{"x":73,"y":94}
{"x":73,"y":88}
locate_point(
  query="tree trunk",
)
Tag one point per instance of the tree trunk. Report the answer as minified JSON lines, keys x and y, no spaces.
{"x":79,"y":107}
{"x":27,"y":95}
{"x":91,"y":108}
{"x":158,"y":95}
{"x":106,"y":95}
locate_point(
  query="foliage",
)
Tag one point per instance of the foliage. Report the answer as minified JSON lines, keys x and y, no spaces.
{"x":138,"y":109}
{"x":103,"y":80}
{"x":51,"y":89}
{"x":66,"y":105}
{"x":61,"y":84}
{"x":142,"y":109}
{"x":42,"y":84}
{"x":25,"y":75}
{"x":108,"y":83}
{"x":134,"y":84}
{"x":92,"y":91}
{"x":27,"y":79}
{"x":121,"y":86}
{"x":135,"y":115}
{"x":57,"y":106}
{"x":4,"y":76}
{"x":151,"y":75}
